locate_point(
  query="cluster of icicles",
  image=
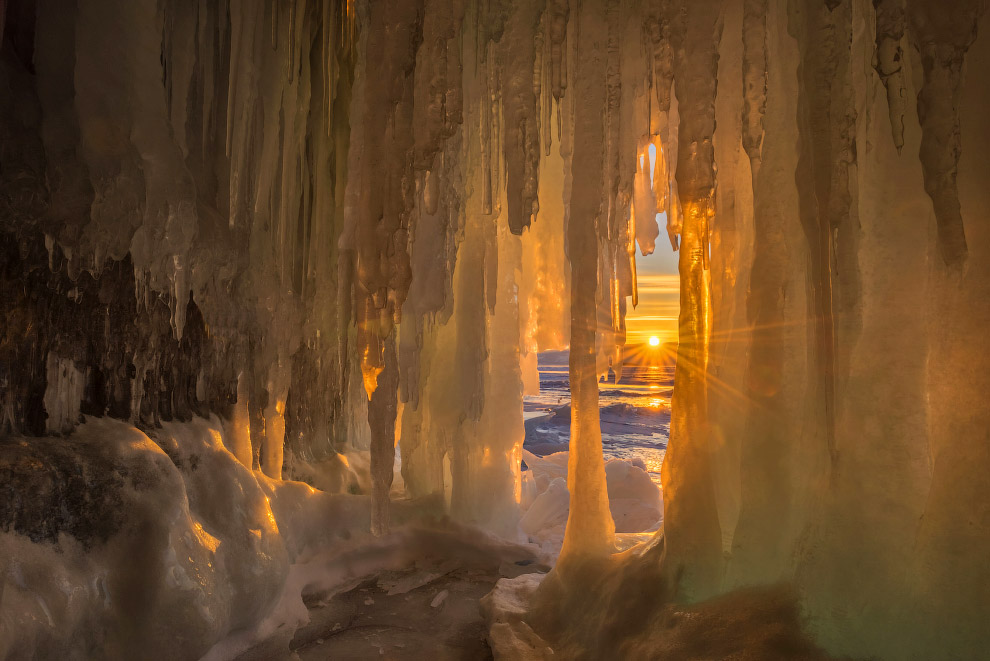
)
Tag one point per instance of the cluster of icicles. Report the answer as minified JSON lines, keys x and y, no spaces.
{"x":316,"y":172}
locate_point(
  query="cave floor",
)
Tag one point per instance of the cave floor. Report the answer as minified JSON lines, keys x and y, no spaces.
{"x":397,"y":616}
{"x":439,"y":620}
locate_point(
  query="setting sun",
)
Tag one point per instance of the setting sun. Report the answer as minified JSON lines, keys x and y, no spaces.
{"x":654,"y":341}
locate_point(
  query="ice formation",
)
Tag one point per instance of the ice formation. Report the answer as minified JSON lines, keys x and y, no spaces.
{"x":330,"y":236}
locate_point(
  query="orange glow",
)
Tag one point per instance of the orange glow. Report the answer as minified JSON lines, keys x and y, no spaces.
{"x":205,"y":538}
{"x":658,"y":309}
{"x":369,"y":372}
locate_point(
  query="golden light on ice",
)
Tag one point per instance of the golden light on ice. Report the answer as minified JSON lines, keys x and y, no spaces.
{"x":654,"y":341}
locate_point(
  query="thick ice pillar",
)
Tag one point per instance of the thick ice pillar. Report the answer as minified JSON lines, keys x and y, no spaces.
{"x":732,"y":250}
{"x":693,"y":537}
{"x":590,"y":528}
{"x":782,"y":417}
{"x":951,"y":571}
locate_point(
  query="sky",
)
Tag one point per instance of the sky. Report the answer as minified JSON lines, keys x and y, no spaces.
{"x":659,"y":288}
{"x":659,"y":297}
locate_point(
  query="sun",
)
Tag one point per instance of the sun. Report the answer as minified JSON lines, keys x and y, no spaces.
{"x":654,"y":341}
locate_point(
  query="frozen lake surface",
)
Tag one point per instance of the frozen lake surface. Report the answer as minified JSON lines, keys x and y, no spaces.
{"x":635,"y":412}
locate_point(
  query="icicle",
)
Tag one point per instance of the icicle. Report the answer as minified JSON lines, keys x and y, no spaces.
{"x":290,"y":55}
{"x":616,"y":296}
{"x":661,"y":177}
{"x":325,"y":32}
{"x":559,"y":12}
{"x":274,"y":6}
{"x":495,"y":90}
{"x":613,"y":87}
{"x":486,"y":152}
{"x":631,"y":253}
{"x":674,"y":224}
{"x":754,"y":79}
{"x":180,"y":296}
{"x":943,"y":32}
{"x":643,"y":223}
{"x":520,"y":50}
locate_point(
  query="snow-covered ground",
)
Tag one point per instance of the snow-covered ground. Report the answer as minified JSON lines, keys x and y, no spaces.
{"x":163,"y":545}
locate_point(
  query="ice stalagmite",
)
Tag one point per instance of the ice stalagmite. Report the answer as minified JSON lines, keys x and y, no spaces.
{"x":590,"y":527}
{"x":381,"y":418}
{"x":239,"y":429}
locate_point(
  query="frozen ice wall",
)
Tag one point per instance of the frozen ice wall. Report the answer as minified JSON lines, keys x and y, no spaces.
{"x":844,"y":281}
{"x":348,"y":226}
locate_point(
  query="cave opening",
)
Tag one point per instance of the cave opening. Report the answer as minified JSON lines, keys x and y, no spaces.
{"x":341,"y":329}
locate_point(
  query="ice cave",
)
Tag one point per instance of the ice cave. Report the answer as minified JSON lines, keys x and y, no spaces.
{"x":324,"y":327}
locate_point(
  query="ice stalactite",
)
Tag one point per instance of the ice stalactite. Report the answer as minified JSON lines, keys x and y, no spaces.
{"x":543,"y":293}
{"x":754,"y":68}
{"x":943,"y":33}
{"x":590,"y":528}
{"x":521,"y":111}
{"x":559,"y":12}
{"x":644,"y":205}
{"x":660,"y":56}
{"x":889,"y":62}
{"x":693,"y":546}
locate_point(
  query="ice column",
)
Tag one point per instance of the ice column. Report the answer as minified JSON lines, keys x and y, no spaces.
{"x":693,"y":538}
{"x":381,"y":418}
{"x":380,"y":219}
{"x":590,"y":528}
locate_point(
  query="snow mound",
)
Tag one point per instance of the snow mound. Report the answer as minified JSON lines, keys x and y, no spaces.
{"x":634,"y":499}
